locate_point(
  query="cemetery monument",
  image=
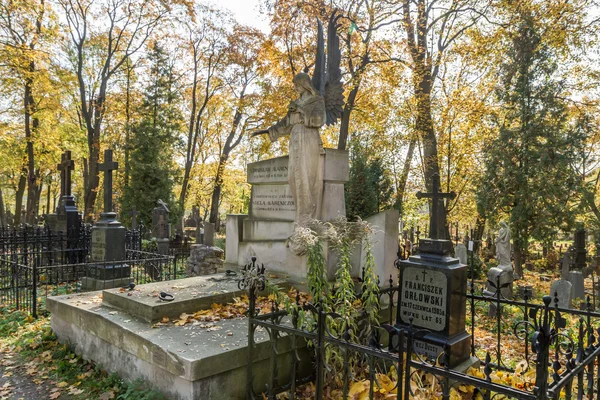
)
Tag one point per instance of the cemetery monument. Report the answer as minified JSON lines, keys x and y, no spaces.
{"x":108,"y":240}
{"x":500,"y":278}
{"x":434,"y":287}
{"x":67,"y":218}
{"x":161,"y":228}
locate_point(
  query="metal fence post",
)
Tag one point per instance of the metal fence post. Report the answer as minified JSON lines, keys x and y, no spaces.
{"x":541,"y":346}
{"x":320,"y":352}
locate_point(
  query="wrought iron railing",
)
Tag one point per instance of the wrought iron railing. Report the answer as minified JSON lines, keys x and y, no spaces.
{"x":561,"y":363}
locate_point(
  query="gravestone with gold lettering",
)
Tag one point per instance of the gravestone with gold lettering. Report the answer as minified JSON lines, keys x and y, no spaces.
{"x":108,"y":254}
{"x":433,"y":292}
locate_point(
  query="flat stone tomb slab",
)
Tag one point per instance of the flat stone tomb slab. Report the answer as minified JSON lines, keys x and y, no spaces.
{"x":191,"y":295}
{"x":200,"y":360}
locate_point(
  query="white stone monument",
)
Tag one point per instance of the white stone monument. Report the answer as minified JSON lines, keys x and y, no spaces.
{"x":502,"y":274}
{"x":264,"y":232}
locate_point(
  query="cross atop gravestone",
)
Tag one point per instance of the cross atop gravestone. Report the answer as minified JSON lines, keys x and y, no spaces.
{"x":65,"y":167}
{"x":108,"y":167}
{"x":436,"y":228}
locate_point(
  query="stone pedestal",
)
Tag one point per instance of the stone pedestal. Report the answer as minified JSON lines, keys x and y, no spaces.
{"x":384,"y":246}
{"x":501,"y":276}
{"x":576,"y":279}
{"x":67,"y":218}
{"x":461,"y":253}
{"x":264,"y":231}
{"x":433,"y":293}
{"x":162,"y":246}
{"x":108,"y":251}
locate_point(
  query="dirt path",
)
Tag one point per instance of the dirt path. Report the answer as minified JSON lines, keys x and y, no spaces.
{"x":16,"y":384}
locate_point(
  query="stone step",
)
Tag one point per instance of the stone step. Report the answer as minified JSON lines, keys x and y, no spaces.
{"x":190,"y":295}
{"x":266,"y":229}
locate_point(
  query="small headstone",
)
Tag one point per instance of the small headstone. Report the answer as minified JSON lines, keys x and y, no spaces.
{"x":525,"y":290}
{"x":576,"y":279}
{"x":562,"y":289}
{"x":461,"y":253}
{"x":209,"y":234}
{"x":160,"y":221}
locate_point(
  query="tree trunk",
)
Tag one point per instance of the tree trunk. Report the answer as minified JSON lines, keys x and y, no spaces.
{"x":345,"y":120}
{"x":478,"y":234}
{"x":48,"y":194}
{"x":400,"y":190}
{"x":127,"y":125}
{"x":518,"y":258}
{"x":2,"y":215}
{"x":216,"y":194}
{"x":19,"y":196}
{"x":31,"y":126}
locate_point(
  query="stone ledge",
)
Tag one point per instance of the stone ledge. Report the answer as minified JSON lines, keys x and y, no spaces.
{"x":186,"y":362}
{"x":190,"y":352}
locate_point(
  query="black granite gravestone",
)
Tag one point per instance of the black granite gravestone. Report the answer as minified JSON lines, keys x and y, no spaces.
{"x":433,"y":293}
{"x":108,"y":240}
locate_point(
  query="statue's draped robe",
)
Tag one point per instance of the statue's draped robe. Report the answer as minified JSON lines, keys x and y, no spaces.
{"x":305,"y":169}
{"x":503,"y":246}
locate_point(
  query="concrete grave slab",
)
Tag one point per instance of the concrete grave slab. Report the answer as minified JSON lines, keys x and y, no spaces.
{"x":191,"y":295}
{"x":195,"y":361}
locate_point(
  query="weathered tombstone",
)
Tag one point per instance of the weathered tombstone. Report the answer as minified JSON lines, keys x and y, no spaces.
{"x":562,"y":289}
{"x":575,"y":277}
{"x":442,"y":279}
{"x":108,"y":240}
{"x":67,"y":217}
{"x":580,"y":249}
{"x":209,"y":234}
{"x":161,"y":228}
{"x":461,"y":253}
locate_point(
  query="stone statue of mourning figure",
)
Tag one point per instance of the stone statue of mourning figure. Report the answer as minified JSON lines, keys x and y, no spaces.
{"x":501,"y":277}
{"x":320,"y":102}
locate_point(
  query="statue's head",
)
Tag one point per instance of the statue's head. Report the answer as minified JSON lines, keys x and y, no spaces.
{"x":303,"y":83}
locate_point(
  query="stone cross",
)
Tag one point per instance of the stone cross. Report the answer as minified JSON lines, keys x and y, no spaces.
{"x":65,"y":167}
{"x":108,"y":167}
{"x":565,"y":265}
{"x":134,"y":215}
{"x":436,"y":229}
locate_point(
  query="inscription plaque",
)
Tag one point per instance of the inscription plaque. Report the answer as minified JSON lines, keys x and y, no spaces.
{"x":273,"y":202}
{"x":98,"y":245}
{"x":424,"y":296}
{"x":269,"y":171}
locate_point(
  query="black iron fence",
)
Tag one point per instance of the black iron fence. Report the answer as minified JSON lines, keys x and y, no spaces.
{"x":36,"y":262}
{"x":25,"y":286}
{"x":559,"y":349}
